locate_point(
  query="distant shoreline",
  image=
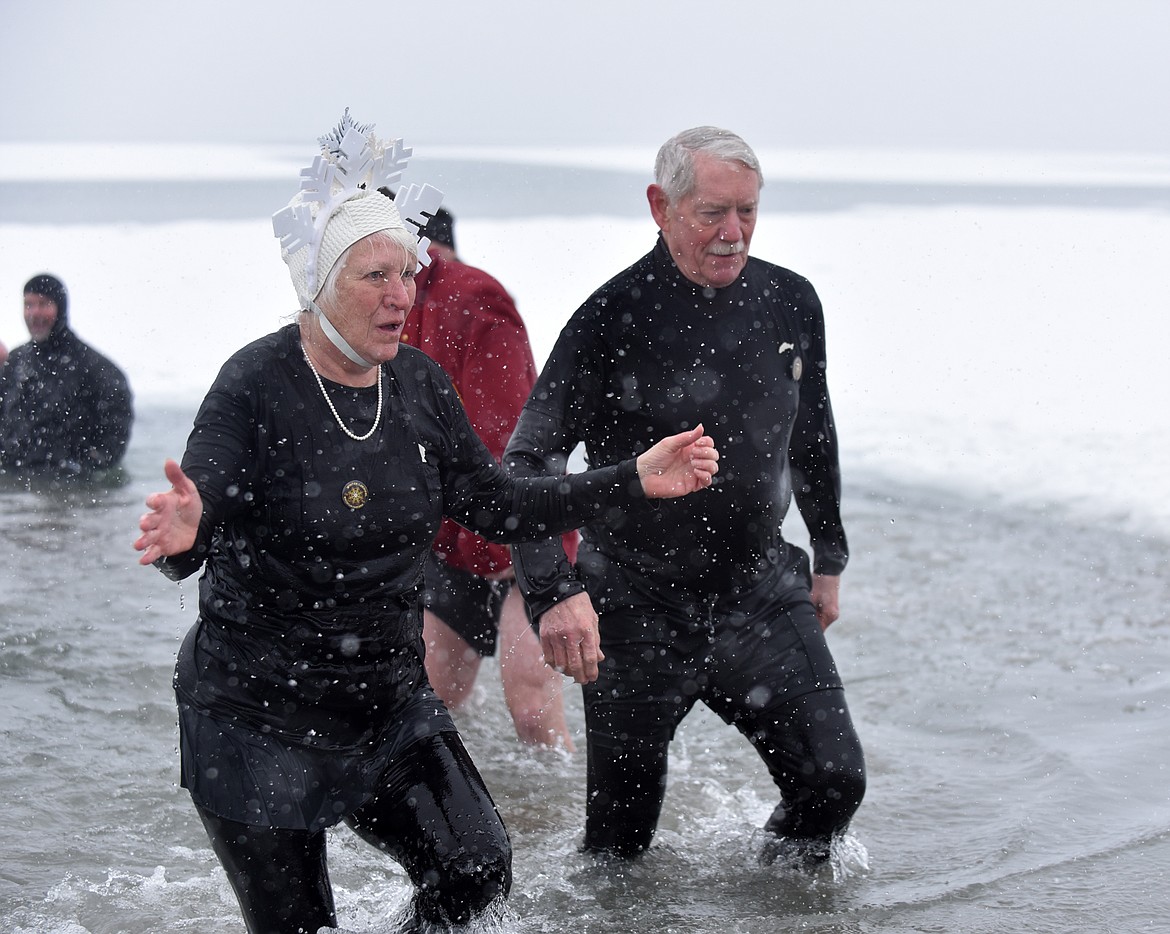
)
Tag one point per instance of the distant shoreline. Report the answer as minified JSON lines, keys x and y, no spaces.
{"x":484,"y":190}
{"x":86,"y":183}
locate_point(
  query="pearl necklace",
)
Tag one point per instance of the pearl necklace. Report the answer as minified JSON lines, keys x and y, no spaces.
{"x":332,"y":408}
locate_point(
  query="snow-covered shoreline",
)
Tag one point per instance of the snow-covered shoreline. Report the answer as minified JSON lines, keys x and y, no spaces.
{"x":55,"y":161}
{"x":1007,"y":351}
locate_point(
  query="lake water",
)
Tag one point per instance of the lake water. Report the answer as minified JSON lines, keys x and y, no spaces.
{"x":1005,"y":636}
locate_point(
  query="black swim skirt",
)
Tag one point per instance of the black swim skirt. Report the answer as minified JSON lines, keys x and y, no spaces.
{"x":467,"y":603}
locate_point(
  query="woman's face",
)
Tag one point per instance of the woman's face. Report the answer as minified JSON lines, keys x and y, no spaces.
{"x":375,"y":292}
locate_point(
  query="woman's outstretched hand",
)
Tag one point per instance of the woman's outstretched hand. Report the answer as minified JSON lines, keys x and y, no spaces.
{"x":173,"y":521}
{"x":678,"y":465}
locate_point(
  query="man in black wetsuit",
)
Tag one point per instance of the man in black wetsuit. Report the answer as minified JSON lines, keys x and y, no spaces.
{"x":699,"y":599}
{"x":65,"y":409}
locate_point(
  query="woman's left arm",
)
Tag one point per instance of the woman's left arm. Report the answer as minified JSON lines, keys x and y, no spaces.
{"x":502,"y":508}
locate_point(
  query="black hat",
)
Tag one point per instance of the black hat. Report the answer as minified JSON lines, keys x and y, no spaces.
{"x":441,"y":228}
{"x":53,"y":289}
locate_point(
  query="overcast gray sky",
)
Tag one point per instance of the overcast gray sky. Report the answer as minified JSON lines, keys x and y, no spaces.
{"x":1017,"y":74}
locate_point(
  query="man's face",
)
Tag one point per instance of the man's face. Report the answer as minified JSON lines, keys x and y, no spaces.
{"x":708,"y":232}
{"x":40,"y":314}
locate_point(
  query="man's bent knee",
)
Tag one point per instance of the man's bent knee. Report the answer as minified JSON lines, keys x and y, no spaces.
{"x":825,"y":804}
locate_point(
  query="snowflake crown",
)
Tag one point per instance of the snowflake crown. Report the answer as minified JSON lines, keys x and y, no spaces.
{"x":353,"y":163}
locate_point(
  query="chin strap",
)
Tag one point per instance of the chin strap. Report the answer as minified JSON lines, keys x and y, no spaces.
{"x":336,"y":339}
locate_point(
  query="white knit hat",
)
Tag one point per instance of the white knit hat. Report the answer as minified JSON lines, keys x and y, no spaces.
{"x":339,"y":203}
{"x":365,"y":212}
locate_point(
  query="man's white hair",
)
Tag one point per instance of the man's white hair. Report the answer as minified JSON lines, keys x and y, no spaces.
{"x":674,"y":169}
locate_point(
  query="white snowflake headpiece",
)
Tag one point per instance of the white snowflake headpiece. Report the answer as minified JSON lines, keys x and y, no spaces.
{"x":339,"y":203}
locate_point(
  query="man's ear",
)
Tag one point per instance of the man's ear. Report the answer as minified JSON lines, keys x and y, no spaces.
{"x":659,"y":205}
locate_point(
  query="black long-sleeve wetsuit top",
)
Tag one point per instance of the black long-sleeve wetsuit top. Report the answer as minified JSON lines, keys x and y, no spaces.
{"x":65,"y":409}
{"x":304,"y":597}
{"x":649,"y":354}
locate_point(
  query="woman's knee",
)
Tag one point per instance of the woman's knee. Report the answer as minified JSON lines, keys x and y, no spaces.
{"x":459,"y":889}
{"x":435,"y":816}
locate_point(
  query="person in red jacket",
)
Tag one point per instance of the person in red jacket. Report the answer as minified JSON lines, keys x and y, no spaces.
{"x":467,"y":322}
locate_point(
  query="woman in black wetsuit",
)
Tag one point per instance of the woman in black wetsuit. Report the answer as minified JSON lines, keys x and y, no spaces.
{"x":319,"y":467}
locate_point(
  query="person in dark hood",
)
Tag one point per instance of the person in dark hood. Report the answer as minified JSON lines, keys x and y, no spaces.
{"x":65,"y":410}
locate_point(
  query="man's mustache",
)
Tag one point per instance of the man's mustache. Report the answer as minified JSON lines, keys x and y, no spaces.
{"x":727,"y":249}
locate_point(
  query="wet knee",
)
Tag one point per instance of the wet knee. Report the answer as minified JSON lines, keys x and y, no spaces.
{"x":846,"y":786}
{"x":463,"y":888}
{"x":829,"y":795}
{"x":837,"y":789}
{"x":532,"y":726}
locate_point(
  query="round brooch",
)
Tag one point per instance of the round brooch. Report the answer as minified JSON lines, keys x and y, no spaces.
{"x":354,"y":494}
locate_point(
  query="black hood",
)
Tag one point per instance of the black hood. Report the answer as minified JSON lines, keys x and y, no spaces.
{"x":53,"y":289}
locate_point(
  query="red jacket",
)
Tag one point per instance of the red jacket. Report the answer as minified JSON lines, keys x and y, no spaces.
{"x":465,"y":321}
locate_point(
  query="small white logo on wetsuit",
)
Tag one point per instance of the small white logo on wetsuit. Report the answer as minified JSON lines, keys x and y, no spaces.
{"x":797,"y":366}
